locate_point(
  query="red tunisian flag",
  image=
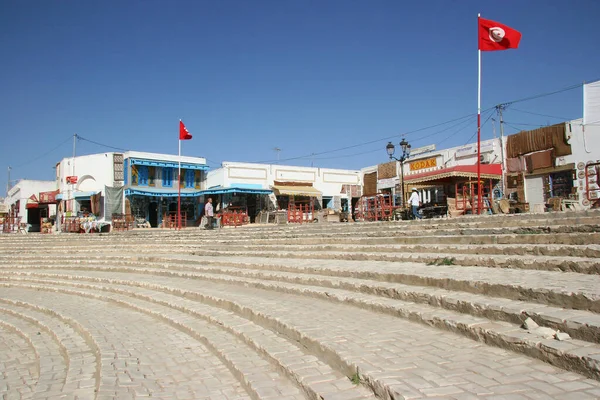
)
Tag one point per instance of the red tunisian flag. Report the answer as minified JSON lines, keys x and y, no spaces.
{"x":496,"y":36}
{"x":183,"y":132}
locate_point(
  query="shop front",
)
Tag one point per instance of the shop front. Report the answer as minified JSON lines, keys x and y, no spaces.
{"x":301,"y":200}
{"x":158,"y":208}
{"x":456,"y":187}
{"x":238,"y":205}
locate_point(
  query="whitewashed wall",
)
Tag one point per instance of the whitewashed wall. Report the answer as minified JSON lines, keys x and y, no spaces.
{"x":23,"y":190}
{"x":327,"y":180}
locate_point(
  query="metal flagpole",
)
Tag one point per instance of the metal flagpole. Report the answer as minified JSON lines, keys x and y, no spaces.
{"x":179,"y":189}
{"x":478,"y":123}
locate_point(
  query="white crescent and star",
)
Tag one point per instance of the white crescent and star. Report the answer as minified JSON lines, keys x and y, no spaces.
{"x":496,"y":34}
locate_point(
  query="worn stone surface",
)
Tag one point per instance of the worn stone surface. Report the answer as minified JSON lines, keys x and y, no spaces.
{"x":405,"y":310}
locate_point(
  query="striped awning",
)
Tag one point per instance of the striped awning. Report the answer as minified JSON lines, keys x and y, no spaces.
{"x":488,"y":171}
{"x":297,"y":191}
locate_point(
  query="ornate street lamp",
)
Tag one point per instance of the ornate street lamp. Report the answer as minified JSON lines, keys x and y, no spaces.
{"x":391,"y":149}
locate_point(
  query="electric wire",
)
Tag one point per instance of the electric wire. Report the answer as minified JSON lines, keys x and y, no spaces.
{"x":45,"y":154}
{"x":482,"y":125}
{"x":541,"y":115}
{"x":100,"y":144}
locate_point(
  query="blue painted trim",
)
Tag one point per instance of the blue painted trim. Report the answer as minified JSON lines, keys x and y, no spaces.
{"x":163,"y":164}
{"x":132,"y":192}
{"x":246,"y":185}
{"x":236,"y":190}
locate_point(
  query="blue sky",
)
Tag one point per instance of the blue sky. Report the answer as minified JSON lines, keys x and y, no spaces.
{"x":304,"y":76}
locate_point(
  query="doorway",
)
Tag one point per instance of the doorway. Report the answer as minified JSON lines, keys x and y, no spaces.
{"x":153,"y":214}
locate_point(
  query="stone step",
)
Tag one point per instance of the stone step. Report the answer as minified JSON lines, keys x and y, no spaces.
{"x":585,"y":251}
{"x":390,"y":361}
{"x":237,"y":341}
{"x":579,"y":324}
{"x":66,"y":359}
{"x":128,"y":371}
{"x":584,"y":265}
{"x":60,"y":242}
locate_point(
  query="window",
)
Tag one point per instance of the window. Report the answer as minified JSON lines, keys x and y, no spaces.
{"x":151,"y":176}
{"x":142,"y":175}
{"x":167,"y":177}
{"x":189,"y":178}
{"x":197,"y":179}
{"x":118,"y":169}
{"x":134,"y":175}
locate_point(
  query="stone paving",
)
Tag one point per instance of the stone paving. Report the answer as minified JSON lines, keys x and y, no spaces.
{"x":271,"y":312}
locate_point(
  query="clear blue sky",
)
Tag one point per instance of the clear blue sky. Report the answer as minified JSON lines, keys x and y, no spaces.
{"x":248,"y":76}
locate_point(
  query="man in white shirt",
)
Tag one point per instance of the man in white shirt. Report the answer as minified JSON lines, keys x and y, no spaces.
{"x":208,"y":211}
{"x":415,"y":202}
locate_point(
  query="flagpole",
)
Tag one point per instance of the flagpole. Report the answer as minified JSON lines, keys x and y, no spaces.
{"x":478,"y":124}
{"x":179,"y":189}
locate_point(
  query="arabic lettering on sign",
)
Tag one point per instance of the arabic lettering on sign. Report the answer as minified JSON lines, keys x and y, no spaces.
{"x":422,"y":164}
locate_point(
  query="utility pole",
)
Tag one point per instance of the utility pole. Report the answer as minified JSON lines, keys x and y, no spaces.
{"x":8,"y":182}
{"x":499,"y":109}
{"x":277,"y":150}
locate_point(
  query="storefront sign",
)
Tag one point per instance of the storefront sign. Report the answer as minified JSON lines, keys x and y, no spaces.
{"x":71,"y":180}
{"x":421,"y":150}
{"x":422,"y":164}
{"x":387,"y":183}
{"x":4,"y":208}
{"x":471,"y":150}
{"x":48,"y":197}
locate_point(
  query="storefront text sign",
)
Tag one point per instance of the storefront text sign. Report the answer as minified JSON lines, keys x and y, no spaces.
{"x":48,"y":197}
{"x":71,"y":180}
{"x":422,"y":164}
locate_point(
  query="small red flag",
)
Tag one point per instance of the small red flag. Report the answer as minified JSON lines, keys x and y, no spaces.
{"x":183,"y":132}
{"x":496,"y":36}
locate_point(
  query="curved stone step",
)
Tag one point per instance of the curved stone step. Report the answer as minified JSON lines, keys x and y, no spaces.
{"x":78,"y":359}
{"x":19,"y":363}
{"x":575,"y":355}
{"x":363,"y":345}
{"x":579,"y":324}
{"x":584,"y":265}
{"x":128,"y":369}
{"x":76,"y":344}
{"x":585,"y":251}
{"x":317,"y":380}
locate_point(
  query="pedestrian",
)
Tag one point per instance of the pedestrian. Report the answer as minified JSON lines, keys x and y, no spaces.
{"x":208,"y":211}
{"x":415,"y":202}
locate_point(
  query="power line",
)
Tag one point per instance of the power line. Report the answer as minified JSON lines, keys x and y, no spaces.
{"x":382,"y":139}
{"x":543,"y":95}
{"x":100,"y":144}
{"x":482,"y":125}
{"x":45,"y":154}
{"x":541,"y":115}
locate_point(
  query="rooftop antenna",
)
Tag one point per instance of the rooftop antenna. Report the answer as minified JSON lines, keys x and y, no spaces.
{"x":277,"y":150}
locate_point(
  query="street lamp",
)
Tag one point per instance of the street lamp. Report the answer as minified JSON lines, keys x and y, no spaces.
{"x":391,"y":149}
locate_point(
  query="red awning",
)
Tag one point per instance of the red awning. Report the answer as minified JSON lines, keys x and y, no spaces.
{"x":488,"y":171}
{"x":48,"y":197}
{"x":32,"y":202}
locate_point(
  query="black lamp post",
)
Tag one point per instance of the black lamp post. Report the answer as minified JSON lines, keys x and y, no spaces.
{"x":390,"y":148}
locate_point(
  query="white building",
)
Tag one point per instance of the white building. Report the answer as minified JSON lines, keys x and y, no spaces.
{"x":32,"y":200}
{"x":436,"y":173}
{"x":247,"y":184}
{"x":138,"y":183}
{"x":558,"y":163}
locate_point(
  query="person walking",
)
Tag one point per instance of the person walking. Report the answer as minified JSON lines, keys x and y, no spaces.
{"x":415,"y":202}
{"x":208,"y":211}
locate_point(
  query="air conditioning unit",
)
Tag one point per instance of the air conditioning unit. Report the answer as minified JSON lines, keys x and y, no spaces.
{"x":485,"y":158}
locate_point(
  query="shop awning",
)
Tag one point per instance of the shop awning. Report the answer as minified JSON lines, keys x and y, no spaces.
{"x":48,"y":197}
{"x":488,"y":171}
{"x":297,"y":191}
{"x":224,"y":190}
{"x":161,"y":192}
{"x":75,"y":195}
{"x":32,"y":202}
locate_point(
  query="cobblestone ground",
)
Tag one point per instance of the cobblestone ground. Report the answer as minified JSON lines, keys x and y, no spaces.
{"x":204,"y":322}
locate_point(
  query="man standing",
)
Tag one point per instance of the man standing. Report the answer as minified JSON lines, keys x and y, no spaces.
{"x":208,"y":211}
{"x":415,"y":202}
